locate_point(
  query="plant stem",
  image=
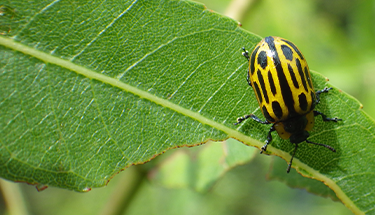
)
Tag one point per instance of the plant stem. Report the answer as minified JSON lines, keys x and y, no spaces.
{"x":130,"y":182}
{"x":13,"y":197}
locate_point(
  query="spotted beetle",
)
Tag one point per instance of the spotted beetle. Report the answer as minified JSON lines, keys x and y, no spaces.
{"x":280,"y":77}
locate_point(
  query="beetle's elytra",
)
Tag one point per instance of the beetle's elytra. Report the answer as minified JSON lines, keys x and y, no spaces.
{"x":280,"y":77}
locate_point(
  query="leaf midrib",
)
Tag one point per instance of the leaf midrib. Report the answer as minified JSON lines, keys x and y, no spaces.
{"x":48,"y":58}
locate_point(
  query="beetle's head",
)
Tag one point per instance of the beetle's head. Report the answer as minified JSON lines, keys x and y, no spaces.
{"x":299,"y":137}
{"x":296,"y":127}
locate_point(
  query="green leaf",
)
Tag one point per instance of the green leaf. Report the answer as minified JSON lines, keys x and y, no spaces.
{"x":89,"y":89}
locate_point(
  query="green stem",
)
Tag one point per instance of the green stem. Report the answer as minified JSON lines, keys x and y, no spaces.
{"x":128,"y":186}
{"x":13,"y":197}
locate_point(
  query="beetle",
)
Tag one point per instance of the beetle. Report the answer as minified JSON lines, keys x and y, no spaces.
{"x":280,"y":77}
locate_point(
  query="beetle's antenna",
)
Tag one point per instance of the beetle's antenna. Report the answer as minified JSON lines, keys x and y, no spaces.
{"x":321,"y":144}
{"x":291,"y":160}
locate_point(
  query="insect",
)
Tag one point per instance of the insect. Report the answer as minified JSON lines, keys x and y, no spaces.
{"x":280,"y":77}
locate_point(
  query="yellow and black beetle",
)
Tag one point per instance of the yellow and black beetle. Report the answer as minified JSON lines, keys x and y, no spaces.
{"x":280,"y":77}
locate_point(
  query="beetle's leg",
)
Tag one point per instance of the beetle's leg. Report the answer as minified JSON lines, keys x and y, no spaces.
{"x":316,"y":113}
{"x":248,"y":78}
{"x":325,"y":90}
{"x":269,"y":139}
{"x":321,"y":144}
{"x":255,"y":118}
{"x":245,"y":53}
{"x":241,"y":119}
{"x":291,"y":160}
{"x":325,"y":118}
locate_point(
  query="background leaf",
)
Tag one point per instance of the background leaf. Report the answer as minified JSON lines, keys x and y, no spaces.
{"x":201,"y":168}
{"x":93,"y":88}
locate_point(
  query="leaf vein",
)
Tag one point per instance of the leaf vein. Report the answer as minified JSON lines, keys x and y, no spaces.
{"x":104,"y":30}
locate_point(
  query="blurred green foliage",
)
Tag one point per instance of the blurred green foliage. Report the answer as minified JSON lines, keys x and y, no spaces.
{"x":242,"y":190}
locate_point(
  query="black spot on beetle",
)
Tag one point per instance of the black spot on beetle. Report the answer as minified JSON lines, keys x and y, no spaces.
{"x":267,"y":115}
{"x":302,"y":101}
{"x":272,"y":83}
{"x":294,"y":79}
{"x":295,"y":48}
{"x":288,"y":53}
{"x":252,"y":60}
{"x":308,"y":77}
{"x":262,"y":86}
{"x":303,"y":79}
{"x":257,"y":91}
{"x":277,"y":109}
{"x":262,"y":59}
